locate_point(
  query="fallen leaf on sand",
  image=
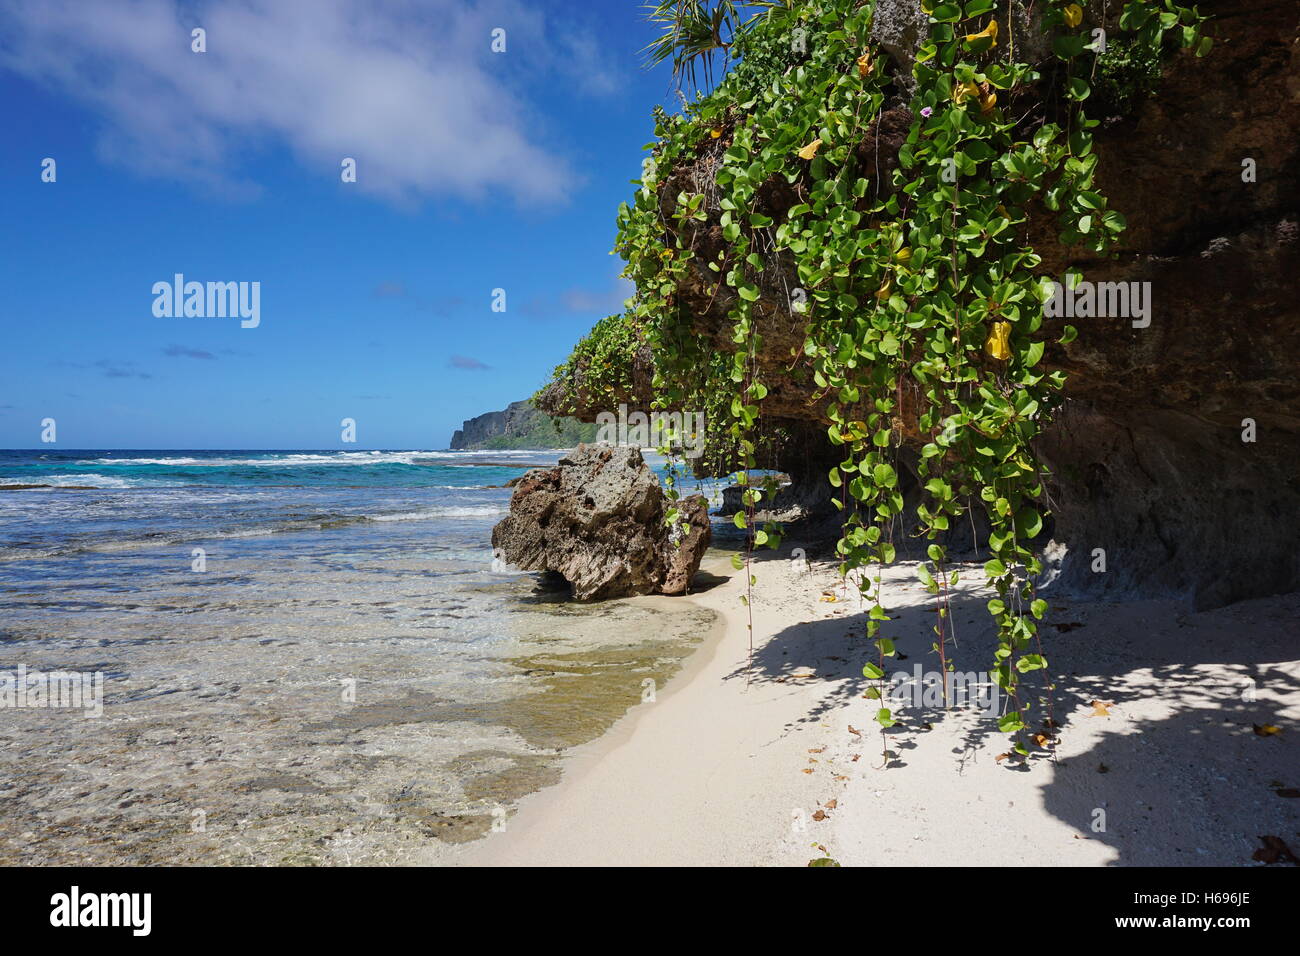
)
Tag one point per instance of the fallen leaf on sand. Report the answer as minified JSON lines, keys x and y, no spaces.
{"x":831,"y":804}
{"x":1000,"y":757}
{"x":1099,"y":708}
{"x":819,"y":816}
{"x":857,"y":757}
{"x":807,"y":769}
{"x":823,"y":861}
{"x":816,"y":750}
{"x":1266,"y":730}
{"x":1274,"y":850}
{"x":840,"y":776}
{"x":854,"y":731}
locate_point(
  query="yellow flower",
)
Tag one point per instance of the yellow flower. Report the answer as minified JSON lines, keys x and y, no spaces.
{"x":886,"y":289}
{"x":1073,"y":15}
{"x":666,"y":254}
{"x":988,"y":101}
{"x":865,"y":64}
{"x":809,"y":151}
{"x":989,"y":33}
{"x":996,"y":345}
{"x":904,"y":254}
{"x":715,"y":133}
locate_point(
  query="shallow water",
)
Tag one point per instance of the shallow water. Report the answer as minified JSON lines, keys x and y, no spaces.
{"x":346,"y":679}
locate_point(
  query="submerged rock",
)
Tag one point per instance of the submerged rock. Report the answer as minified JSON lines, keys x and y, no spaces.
{"x":597,"y":519}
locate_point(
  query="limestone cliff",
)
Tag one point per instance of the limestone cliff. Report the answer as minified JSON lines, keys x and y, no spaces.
{"x":1148,"y":456}
{"x":519,"y":425}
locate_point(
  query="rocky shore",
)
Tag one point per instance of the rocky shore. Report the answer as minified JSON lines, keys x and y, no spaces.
{"x":597,"y":521}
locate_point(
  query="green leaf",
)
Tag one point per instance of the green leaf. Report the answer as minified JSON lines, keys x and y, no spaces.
{"x":1030,"y":662}
{"x":1028,"y":523}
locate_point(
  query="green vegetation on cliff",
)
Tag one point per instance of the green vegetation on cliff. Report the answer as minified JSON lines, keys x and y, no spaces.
{"x":521,"y":425}
{"x":889,"y":220}
{"x":546,"y":432}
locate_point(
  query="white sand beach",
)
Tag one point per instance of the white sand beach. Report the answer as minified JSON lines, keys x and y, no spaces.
{"x":759,"y":766}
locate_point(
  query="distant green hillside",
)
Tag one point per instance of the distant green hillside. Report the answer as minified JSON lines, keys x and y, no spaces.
{"x":521,"y":426}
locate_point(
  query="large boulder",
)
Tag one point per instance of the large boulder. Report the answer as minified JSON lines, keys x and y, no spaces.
{"x":597,"y":520}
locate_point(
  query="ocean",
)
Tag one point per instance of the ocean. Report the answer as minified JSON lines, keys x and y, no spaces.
{"x":307,"y":657}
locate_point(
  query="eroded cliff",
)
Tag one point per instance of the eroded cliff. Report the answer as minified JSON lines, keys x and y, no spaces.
{"x":1149,"y":453}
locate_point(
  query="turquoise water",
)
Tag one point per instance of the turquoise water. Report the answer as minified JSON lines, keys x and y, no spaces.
{"x":112,"y":500}
{"x":313,"y":650}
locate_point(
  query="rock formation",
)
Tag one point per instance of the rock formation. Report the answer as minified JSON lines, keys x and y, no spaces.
{"x":597,"y":520}
{"x":519,"y":425}
{"x":1148,"y":458}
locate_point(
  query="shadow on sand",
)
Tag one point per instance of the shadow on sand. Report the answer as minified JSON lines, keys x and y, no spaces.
{"x":1184,"y":776}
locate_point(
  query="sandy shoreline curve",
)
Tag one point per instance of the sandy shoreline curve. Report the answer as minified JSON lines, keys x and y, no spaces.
{"x":759,"y":766}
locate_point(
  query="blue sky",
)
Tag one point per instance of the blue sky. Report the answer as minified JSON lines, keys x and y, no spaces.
{"x":475,"y":171}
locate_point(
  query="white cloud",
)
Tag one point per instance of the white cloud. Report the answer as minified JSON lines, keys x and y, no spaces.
{"x":409,"y":88}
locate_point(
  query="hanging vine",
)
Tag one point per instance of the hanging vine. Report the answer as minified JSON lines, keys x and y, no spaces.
{"x":920,"y":294}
